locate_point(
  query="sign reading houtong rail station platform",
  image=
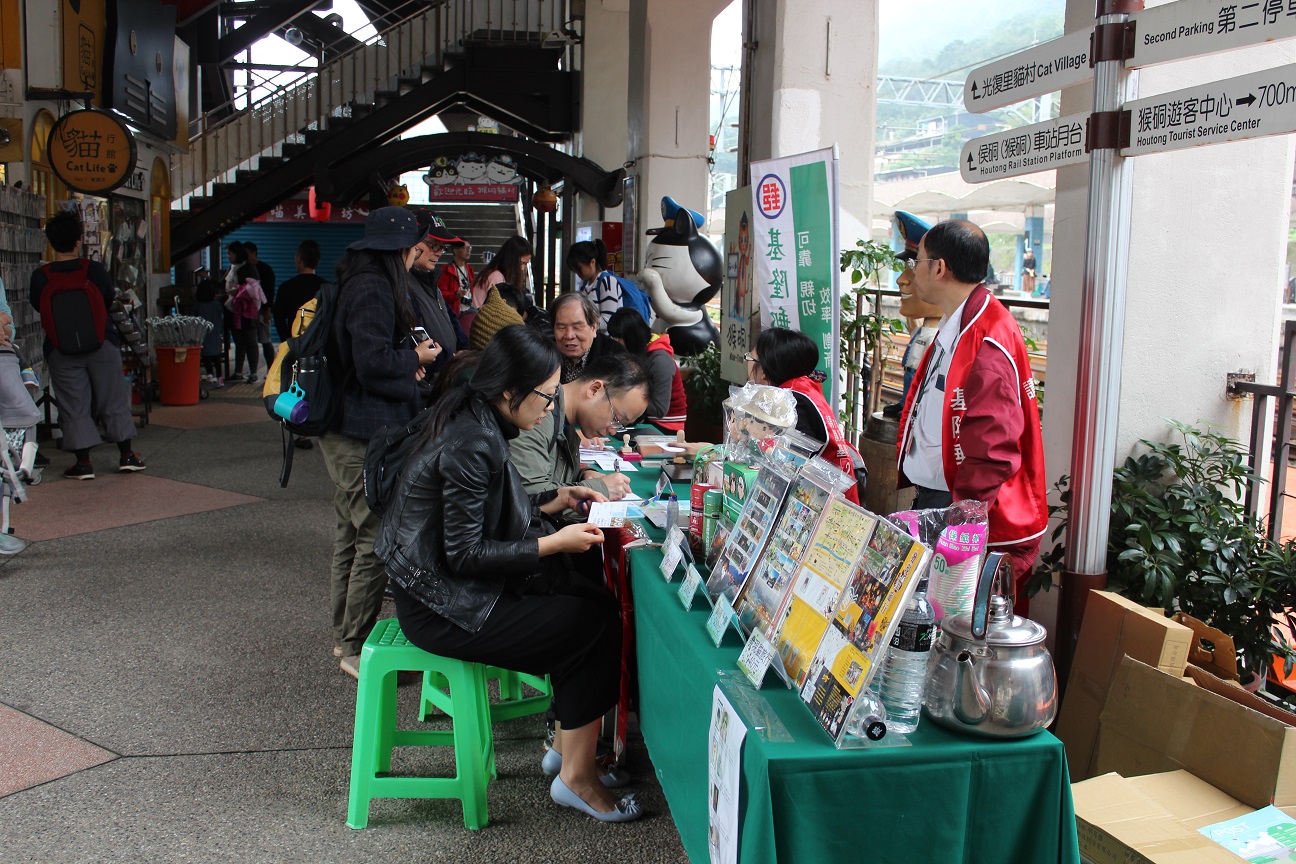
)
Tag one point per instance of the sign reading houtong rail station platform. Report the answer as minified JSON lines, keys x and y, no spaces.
{"x":1025,"y":150}
{"x":1249,"y":106}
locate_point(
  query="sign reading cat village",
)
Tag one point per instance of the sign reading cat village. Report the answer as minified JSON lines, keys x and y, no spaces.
{"x":1249,"y":106}
{"x":1025,"y":150}
{"x":1039,"y":69}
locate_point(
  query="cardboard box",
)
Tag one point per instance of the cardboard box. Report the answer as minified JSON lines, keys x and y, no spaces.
{"x":1154,"y":722}
{"x":1152,"y":819}
{"x":1113,"y":628}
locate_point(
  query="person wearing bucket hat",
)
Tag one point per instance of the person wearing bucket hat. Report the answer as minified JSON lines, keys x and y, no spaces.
{"x":429,"y":305}
{"x":923,"y":317}
{"x":381,"y":365}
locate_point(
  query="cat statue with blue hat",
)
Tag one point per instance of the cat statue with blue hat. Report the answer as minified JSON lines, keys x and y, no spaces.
{"x":683,"y":271}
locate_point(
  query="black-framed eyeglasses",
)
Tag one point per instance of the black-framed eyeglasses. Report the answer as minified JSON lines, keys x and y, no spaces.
{"x":617,"y":425}
{"x":911,"y":263}
{"x":748,"y":358}
{"x":549,"y":398}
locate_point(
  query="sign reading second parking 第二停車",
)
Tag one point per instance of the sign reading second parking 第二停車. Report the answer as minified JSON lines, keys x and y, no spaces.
{"x":1025,"y":150}
{"x":1192,"y":28}
{"x":1249,"y":106}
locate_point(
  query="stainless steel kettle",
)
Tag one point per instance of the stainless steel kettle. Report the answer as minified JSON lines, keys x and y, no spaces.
{"x":989,"y":672}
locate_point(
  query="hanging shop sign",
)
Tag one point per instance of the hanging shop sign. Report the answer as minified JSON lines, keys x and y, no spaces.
{"x":91,"y":151}
{"x":1025,"y":150}
{"x":794,"y":225}
{"x":472,"y":177}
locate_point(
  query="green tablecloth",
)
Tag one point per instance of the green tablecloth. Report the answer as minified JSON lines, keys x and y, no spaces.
{"x":947,"y":798}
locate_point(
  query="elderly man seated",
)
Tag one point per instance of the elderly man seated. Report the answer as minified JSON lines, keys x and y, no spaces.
{"x":575,"y":327}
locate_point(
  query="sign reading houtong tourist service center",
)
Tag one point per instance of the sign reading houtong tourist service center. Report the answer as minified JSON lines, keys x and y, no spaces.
{"x":1190,"y":28}
{"x":1025,"y":150}
{"x":1033,"y":72}
{"x":1249,"y":106}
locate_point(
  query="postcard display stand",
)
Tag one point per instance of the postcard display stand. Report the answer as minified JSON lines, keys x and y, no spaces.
{"x":22,"y":245}
{"x":816,"y":586}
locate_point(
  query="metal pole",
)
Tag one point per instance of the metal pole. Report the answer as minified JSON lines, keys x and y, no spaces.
{"x":1102,"y":339}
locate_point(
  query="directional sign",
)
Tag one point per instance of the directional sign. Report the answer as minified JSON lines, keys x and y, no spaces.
{"x":1025,"y":150}
{"x":1190,"y":28}
{"x":1039,"y":69}
{"x":1249,"y":106}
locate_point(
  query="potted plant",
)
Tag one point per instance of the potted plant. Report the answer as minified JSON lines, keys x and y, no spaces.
{"x":862,"y":328}
{"x":706,"y":391}
{"x":1181,"y":539}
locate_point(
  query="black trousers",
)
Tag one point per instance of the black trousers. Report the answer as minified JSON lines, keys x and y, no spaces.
{"x":930,"y":499}
{"x":573,"y":637}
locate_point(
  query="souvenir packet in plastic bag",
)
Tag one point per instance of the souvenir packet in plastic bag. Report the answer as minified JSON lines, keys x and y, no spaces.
{"x":957,"y":535}
{"x":755,"y":415}
{"x":794,"y":449}
{"x":708,"y":466}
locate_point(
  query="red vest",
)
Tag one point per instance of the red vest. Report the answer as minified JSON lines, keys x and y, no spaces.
{"x":837,"y":451}
{"x":677,"y":412}
{"x":1020,"y":510}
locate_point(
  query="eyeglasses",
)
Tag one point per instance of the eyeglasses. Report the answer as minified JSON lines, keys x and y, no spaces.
{"x":914,"y":262}
{"x":748,"y":358}
{"x":617,"y":425}
{"x":549,"y":398}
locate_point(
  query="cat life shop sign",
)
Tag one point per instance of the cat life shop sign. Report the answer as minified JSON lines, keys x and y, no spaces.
{"x":794,"y":205}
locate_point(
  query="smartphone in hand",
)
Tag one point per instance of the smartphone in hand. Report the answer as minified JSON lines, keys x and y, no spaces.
{"x":421,"y":335}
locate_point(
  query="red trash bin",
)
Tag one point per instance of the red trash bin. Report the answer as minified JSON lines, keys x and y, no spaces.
{"x":178,"y":372}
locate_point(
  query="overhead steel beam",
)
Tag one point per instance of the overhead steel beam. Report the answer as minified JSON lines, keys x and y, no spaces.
{"x":276,"y":15}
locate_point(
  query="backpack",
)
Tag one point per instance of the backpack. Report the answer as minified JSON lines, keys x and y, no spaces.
{"x":385,"y":457}
{"x":633,"y":297}
{"x":305,"y":367}
{"x":72,"y":310}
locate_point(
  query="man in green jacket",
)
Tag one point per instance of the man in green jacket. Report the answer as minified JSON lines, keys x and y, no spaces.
{"x":609,"y":392}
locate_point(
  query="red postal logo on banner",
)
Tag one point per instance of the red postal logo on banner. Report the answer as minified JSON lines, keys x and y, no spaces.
{"x":771,"y":196}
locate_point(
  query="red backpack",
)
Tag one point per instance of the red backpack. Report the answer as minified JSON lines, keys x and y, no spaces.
{"x":72,"y":310}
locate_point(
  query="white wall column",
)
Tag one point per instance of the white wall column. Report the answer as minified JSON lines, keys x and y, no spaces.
{"x":669,"y":105}
{"x":813,"y":84}
{"x":1208,"y":240}
{"x":604,"y":84}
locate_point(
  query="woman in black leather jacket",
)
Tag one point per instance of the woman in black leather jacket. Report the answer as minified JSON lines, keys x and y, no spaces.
{"x":476,"y":575}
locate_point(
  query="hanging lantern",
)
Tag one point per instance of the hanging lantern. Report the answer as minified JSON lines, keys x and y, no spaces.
{"x":545,"y":200}
{"x":398,"y":195}
{"x":319,"y":210}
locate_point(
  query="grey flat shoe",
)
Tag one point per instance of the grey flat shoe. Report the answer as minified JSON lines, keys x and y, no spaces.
{"x":627,"y":809}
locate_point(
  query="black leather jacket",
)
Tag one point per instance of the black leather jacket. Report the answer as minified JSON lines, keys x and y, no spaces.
{"x":456,"y":533}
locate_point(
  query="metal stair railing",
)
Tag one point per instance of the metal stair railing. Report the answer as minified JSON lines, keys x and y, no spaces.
{"x":222,"y":143}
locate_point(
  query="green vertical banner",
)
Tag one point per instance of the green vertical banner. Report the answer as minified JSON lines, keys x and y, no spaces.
{"x":794,"y":233}
{"x":812,"y":221}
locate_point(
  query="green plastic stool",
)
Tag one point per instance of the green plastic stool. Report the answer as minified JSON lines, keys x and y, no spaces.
{"x":385,"y":652}
{"x":512,"y":703}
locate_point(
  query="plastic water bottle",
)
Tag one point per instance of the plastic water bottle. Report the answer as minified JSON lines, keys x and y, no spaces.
{"x":904,"y":677}
{"x":672,"y":512}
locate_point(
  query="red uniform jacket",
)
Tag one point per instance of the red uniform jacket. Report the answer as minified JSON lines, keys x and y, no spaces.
{"x":990,"y":433}
{"x":837,"y":451}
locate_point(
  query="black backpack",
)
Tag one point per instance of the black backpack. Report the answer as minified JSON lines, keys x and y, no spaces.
{"x":307,"y":366}
{"x":388,"y":451}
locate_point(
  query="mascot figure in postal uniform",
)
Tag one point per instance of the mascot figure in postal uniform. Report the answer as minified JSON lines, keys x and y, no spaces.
{"x":683,"y":271}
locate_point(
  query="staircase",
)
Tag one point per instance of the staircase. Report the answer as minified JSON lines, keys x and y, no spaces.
{"x":485,"y":226}
{"x":241,"y":165}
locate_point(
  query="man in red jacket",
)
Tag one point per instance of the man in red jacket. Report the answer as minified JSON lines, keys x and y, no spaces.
{"x":970,"y":424}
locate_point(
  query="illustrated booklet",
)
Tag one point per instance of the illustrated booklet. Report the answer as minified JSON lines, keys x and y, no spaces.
{"x":746,"y":542}
{"x":771,"y":579}
{"x":870,"y":608}
{"x":820,"y":577}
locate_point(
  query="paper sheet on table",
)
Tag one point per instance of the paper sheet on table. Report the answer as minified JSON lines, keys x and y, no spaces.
{"x":603,"y":512}
{"x":610,"y":462}
{"x":724,"y":773}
